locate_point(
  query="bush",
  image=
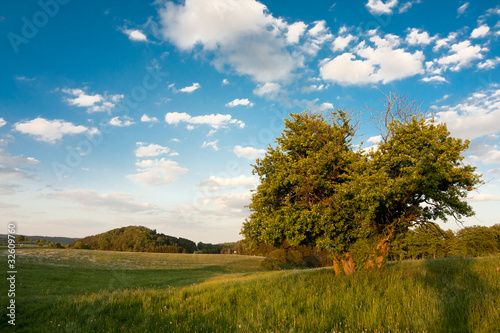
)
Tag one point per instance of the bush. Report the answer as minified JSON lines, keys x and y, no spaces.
{"x":270,"y":264}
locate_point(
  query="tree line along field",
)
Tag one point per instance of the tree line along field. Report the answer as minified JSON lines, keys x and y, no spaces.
{"x":67,"y":290}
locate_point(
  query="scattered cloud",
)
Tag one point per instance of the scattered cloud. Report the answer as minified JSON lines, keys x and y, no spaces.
{"x":407,"y":5}
{"x":462,"y":8}
{"x":157,"y":172}
{"x":152,"y":149}
{"x":382,"y":62}
{"x":191,"y":88}
{"x":146,"y":119}
{"x":379,"y":7}
{"x":116,"y":202}
{"x":489,"y":63}
{"x":241,"y":35}
{"x":415,"y":37}
{"x":212,"y":144}
{"x":124,"y":121}
{"x":2,"y":122}
{"x":480,"y":32}
{"x":460,"y":55}
{"x":216,"y":121}
{"x":135,"y":35}
{"x":51,"y":130}
{"x":24,"y":78}
{"x":12,"y":170}
{"x":341,"y":42}
{"x":236,"y":102}
{"x":483,"y":197}
{"x":248,"y":152}
{"x":215,"y":183}
{"x":93,"y":102}
{"x":474,"y":117}
{"x":434,"y":79}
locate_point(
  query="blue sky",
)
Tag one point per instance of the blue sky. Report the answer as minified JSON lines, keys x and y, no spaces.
{"x":116,"y":113}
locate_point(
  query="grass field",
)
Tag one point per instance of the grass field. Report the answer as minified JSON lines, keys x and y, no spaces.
{"x":97,"y":291}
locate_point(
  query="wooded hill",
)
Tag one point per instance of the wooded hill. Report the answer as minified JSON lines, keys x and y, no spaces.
{"x":136,"y":239}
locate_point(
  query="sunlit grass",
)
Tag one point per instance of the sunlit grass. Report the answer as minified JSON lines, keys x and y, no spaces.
{"x":446,"y":295}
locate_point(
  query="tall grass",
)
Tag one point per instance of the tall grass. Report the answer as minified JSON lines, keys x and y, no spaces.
{"x":445,"y":295}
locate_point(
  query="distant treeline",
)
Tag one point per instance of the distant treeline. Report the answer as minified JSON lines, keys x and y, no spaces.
{"x":38,"y":239}
{"x":418,"y":243}
{"x":135,"y":239}
{"x":426,"y":242}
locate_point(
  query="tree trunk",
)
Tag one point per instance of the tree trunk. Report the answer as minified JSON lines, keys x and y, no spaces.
{"x":348,"y":264}
{"x":336,"y":266}
{"x":379,"y":256}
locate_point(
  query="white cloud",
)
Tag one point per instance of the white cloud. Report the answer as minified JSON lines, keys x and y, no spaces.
{"x":82,"y":99}
{"x":146,"y":119}
{"x":415,"y":37}
{"x":326,"y":106}
{"x":241,"y":35}
{"x":93,"y":103}
{"x":212,"y":144}
{"x":435,"y":79}
{"x":24,"y":78}
{"x":236,"y":102}
{"x":2,"y":122}
{"x":445,"y":42}
{"x":483,"y":197}
{"x":489,"y":63}
{"x":173,"y":118}
{"x":375,"y":139}
{"x":248,"y":152}
{"x":462,"y":8}
{"x":341,"y":42}
{"x":295,"y":31}
{"x":461,"y":55}
{"x":379,"y":7}
{"x":157,"y":172}
{"x":124,"y":122}
{"x":117,"y":202}
{"x":474,"y":117}
{"x":12,"y":169}
{"x":381,"y":63}
{"x":406,"y":6}
{"x":216,"y":121}
{"x":225,"y":82}
{"x":135,"y":35}
{"x":150,"y":150}
{"x":270,"y":90}
{"x":480,"y":32}
{"x":51,"y":130}
{"x":216,"y":182}
{"x":191,"y":88}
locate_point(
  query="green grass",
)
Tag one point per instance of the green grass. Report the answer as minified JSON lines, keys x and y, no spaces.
{"x":96,"y":291}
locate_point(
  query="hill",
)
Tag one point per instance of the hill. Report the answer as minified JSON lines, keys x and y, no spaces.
{"x":136,"y":239}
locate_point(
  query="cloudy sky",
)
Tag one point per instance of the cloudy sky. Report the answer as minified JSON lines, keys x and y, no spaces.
{"x":116,"y":113}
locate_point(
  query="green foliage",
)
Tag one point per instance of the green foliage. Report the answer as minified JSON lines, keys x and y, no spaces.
{"x":136,"y":239}
{"x":433,"y":242}
{"x":316,"y":189}
{"x":270,"y":264}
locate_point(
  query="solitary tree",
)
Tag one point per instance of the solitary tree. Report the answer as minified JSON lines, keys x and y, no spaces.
{"x":316,"y":189}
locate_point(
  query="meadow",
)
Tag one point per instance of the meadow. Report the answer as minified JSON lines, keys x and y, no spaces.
{"x":64,"y":290}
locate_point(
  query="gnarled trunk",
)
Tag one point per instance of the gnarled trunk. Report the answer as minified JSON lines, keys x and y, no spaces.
{"x":348,"y":264}
{"x":379,"y":256}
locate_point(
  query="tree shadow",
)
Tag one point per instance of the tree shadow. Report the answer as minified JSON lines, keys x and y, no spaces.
{"x":459,"y":289}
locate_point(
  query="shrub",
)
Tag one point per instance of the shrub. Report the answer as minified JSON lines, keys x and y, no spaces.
{"x":270,"y":264}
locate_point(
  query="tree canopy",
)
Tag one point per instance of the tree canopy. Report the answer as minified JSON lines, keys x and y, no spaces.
{"x":317,"y":188}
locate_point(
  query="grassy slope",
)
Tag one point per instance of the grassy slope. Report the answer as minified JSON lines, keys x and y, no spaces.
{"x":86,"y":291}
